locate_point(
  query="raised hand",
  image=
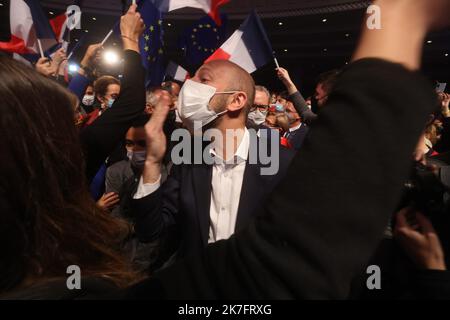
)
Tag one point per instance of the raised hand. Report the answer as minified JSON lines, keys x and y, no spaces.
{"x":58,"y":58}
{"x":43,"y":66}
{"x":131,"y":28}
{"x":91,"y":56}
{"x":283,"y":75}
{"x":419,"y":240}
{"x":156,"y":139}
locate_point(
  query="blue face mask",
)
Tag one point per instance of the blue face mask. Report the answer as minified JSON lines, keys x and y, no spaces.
{"x":110,"y":102}
{"x":279,"y":107}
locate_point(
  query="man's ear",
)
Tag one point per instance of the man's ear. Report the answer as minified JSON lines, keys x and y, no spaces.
{"x":237,"y":101}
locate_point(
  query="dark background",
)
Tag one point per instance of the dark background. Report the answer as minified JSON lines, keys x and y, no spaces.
{"x":304,"y":43}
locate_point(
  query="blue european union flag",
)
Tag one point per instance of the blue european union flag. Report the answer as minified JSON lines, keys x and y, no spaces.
{"x":201,"y":39}
{"x":151,"y":43}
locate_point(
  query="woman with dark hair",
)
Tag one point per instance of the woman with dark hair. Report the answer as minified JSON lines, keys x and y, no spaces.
{"x":54,"y":223}
{"x":48,"y":220}
{"x":107,"y":90}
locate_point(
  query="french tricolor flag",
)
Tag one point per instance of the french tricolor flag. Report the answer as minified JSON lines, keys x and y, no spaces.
{"x":28,"y":24}
{"x":59,"y":26}
{"x":249,"y":47}
{"x":177,"y":72}
{"x":211,"y":7}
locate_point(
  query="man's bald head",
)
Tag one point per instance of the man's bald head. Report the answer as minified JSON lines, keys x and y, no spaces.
{"x":232,"y":78}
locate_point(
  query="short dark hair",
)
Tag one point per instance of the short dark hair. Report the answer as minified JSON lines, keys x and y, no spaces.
{"x":284,"y":95}
{"x":102,"y":83}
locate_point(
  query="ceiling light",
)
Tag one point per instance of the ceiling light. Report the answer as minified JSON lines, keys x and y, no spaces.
{"x":324,"y":20}
{"x":94,"y":18}
{"x":280,"y":23}
{"x":51,"y":12}
{"x":285,"y":50}
{"x":347,"y":35}
{"x":86,"y":30}
{"x":429,"y":41}
{"x":446,"y":54}
{"x":111,"y":57}
{"x":169,"y":24}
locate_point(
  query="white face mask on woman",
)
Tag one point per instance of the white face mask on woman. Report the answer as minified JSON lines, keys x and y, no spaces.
{"x":193,"y":103}
{"x":88,"y":100}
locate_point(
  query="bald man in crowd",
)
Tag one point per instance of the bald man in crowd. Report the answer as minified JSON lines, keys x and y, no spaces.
{"x":204,"y":203}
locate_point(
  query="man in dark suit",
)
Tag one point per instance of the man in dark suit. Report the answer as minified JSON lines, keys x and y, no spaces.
{"x":204,"y":203}
{"x":298,"y":130}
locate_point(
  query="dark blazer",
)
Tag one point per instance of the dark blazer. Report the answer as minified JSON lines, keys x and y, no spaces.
{"x":181,"y":206}
{"x":297,"y":137}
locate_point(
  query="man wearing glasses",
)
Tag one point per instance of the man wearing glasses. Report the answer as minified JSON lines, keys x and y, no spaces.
{"x":259,"y":110}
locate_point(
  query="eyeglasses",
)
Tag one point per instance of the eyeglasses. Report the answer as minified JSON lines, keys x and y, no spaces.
{"x":259,"y":107}
{"x":140,"y":143}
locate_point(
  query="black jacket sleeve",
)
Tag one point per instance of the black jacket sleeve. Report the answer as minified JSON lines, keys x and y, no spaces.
{"x":103,"y":135}
{"x":432,"y":284}
{"x":325,"y":219}
{"x":158,"y":211}
{"x":302,"y":108}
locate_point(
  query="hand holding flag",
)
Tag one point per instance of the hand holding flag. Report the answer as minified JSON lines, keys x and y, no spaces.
{"x":131,"y":28}
{"x":91,"y":57}
{"x":43,"y":66}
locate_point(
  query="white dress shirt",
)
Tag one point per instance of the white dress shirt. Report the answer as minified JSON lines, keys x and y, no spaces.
{"x":226,"y":185}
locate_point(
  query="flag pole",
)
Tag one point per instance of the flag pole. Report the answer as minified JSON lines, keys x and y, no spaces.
{"x":276,"y":62}
{"x":107,"y":37}
{"x":40,"y":48}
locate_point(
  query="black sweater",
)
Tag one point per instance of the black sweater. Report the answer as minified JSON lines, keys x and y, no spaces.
{"x":104,"y":134}
{"x":307,"y":115}
{"x":326,"y":218}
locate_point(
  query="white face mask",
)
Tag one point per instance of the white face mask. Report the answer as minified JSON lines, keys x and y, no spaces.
{"x":193,"y":103}
{"x":88,"y":100}
{"x":257,"y":117}
{"x":137,"y":158}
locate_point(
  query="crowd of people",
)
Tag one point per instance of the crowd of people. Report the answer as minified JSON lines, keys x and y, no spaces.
{"x":89,"y":178}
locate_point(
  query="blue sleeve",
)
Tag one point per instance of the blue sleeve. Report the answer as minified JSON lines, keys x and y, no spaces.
{"x":78,"y":85}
